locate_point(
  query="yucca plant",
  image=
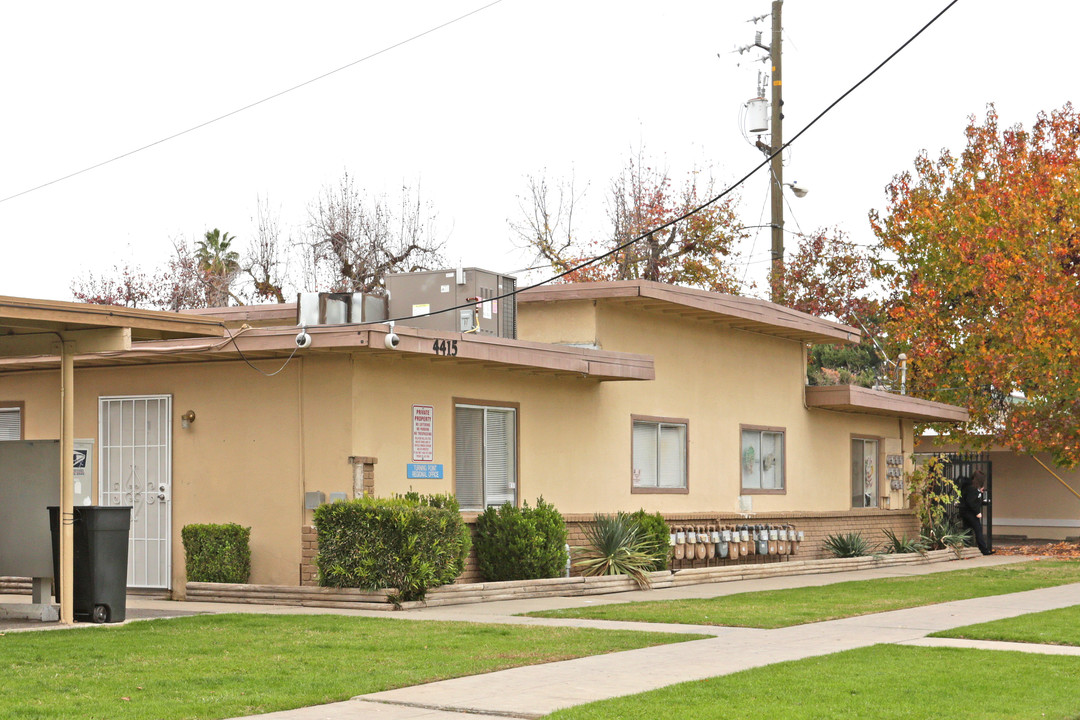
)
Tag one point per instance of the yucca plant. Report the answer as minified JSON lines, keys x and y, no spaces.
{"x":617,"y":546}
{"x":847,"y":545}
{"x":901,"y":544}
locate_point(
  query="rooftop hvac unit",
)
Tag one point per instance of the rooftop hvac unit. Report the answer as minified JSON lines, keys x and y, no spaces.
{"x":416,"y":300}
{"x":339,"y":308}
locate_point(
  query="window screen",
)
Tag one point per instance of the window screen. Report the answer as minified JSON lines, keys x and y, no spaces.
{"x":659,"y":454}
{"x":762,"y":460}
{"x":864,"y":475}
{"x":485,"y":458}
{"x":10,"y":423}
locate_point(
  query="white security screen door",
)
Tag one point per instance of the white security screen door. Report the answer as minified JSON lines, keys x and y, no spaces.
{"x":136,"y":469}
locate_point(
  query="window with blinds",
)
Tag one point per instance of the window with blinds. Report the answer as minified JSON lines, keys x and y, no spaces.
{"x":659,"y":454}
{"x":10,"y":423}
{"x":762,"y":460}
{"x":485,"y":456}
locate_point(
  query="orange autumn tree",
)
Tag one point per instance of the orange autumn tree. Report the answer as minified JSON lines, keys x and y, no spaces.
{"x":832,"y":277}
{"x":985,"y":289}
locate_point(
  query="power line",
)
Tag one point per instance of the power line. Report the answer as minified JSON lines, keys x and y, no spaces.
{"x":252,"y":105}
{"x":729,"y":189}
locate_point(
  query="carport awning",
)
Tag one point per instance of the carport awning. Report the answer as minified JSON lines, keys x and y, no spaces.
{"x":33,"y":327}
{"x":855,"y":399}
{"x":49,"y":327}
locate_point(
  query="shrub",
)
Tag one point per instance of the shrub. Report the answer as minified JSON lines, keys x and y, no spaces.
{"x":407,"y":543}
{"x":617,"y":546}
{"x":217,"y":553}
{"x":654,"y":526}
{"x":945,"y":535}
{"x":521,"y":543}
{"x":901,"y":544}
{"x":847,"y":545}
{"x":932,"y":494}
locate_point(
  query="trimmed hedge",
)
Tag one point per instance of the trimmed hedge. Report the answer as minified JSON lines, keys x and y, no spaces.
{"x":408,"y":543}
{"x":656,"y":529}
{"x":521,"y":543}
{"x":217,"y":553}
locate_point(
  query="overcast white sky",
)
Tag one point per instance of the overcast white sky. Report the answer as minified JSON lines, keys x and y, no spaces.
{"x":470,"y":110}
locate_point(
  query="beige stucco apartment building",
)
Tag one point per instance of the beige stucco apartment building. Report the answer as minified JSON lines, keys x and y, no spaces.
{"x":614,"y":396}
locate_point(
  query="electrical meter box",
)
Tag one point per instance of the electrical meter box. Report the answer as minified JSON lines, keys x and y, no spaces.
{"x":416,"y":300}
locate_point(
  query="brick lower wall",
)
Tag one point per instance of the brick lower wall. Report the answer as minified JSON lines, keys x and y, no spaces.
{"x":815,"y":526}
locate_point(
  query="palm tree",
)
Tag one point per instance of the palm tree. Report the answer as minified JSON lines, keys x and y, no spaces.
{"x":218,"y":264}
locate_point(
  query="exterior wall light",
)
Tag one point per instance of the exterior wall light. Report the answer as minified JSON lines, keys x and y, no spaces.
{"x":187,"y":418}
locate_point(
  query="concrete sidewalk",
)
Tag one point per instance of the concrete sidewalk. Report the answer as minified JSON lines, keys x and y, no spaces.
{"x":534,"y":691}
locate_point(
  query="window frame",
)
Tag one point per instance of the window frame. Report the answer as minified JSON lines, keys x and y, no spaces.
{"x":877,"y":471}
{"x":782,"y":431}
{"x":658,"y":421}
{"x":20,"y":406}
{"x":497,"y":405}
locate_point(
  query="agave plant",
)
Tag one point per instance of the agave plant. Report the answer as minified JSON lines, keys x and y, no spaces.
{"x":946,"y":535}
{"x":901,"y":544}
{"x":847,"y":545}
{"x":617,"y":547}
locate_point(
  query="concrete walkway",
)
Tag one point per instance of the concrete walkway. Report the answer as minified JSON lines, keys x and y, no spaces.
{"x":534,"y":691}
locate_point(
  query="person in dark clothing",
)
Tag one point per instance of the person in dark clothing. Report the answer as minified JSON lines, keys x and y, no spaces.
{"x":971,"y":503}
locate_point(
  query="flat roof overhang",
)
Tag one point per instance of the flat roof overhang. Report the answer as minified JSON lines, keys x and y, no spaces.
{"x":728,"y":311}
{"x":855,"y":399}
{"x":415,"y":344}
{"x":33,"y":327}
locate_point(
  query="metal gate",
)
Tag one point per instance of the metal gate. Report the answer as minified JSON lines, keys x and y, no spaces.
{"x":136,"y":470}
{"x":958,"y":465}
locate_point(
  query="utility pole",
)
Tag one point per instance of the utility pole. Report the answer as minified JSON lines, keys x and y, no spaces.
{"x":776,"y":168}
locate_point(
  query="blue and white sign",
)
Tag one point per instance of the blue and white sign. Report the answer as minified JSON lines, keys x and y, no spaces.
{"x":424,"y":471}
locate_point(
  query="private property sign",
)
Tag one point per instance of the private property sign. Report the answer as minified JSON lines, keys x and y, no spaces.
{"x":423,"y":444}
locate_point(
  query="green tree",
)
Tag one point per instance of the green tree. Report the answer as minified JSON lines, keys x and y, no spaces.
{"x":219,"y":265}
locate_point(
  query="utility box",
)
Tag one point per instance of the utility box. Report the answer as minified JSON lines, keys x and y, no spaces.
{"x":474,"y":292}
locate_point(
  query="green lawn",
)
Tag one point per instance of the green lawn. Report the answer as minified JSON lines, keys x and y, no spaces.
{"x":829,"y":602}
{"x":1052,"y":627}
{"x":881,"y":682}
{"x":228,"y":665}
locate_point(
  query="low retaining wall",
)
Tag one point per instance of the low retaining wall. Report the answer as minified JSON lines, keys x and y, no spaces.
{"x":463,"y":593}
{"x":816,"y":526}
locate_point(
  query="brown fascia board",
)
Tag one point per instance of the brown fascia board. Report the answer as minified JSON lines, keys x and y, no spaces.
{"x":852,"y":398}
{"x":369,"y":338}
{"x":268,"y":315}
{"x":752,"y":314}
{"x":20,"y":315}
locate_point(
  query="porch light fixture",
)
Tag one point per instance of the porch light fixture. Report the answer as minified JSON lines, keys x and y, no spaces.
{"x":187,"y":418}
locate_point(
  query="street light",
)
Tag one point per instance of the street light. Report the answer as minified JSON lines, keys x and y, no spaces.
{"x":799,"y":192}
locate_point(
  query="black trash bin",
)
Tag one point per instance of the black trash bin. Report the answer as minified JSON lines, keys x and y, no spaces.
{"x":100,"y":561}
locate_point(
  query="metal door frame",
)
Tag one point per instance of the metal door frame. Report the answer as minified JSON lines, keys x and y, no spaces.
{"x":958,"y":465}
{"x":165,"y":471}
